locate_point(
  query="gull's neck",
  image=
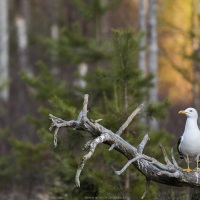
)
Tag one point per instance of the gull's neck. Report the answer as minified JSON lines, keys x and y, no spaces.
{"x":191,"y":124}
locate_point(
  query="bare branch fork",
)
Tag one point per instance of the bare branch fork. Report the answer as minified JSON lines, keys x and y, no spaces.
{"x":169,"y":173}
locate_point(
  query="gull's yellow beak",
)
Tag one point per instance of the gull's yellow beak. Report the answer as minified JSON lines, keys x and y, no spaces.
{"x":182,"y":112}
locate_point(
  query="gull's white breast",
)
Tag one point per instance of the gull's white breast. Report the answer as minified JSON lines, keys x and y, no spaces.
{"x":190,"y":145}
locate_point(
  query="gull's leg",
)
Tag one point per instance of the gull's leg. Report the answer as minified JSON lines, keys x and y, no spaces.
{"x":197,"y":170}
{"x":188,"y":168}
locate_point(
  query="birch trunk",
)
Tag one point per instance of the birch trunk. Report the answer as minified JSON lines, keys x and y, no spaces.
{"x":153,"y":56}
{"x":4,"y":54}
{"x":82,"y":71}
{"x":22,"y":20}
{"x":54,"y":31}
{"x":22,"y":42}
{"x":19,"y":91}
{"x":143,"y":41}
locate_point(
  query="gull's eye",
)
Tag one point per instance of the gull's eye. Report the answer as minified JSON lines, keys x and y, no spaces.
{"x":190,"y":110}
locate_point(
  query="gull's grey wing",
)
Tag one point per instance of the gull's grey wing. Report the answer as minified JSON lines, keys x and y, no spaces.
{"x":179,"y":147}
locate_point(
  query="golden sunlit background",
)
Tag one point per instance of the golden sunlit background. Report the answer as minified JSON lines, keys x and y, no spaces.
{"x":177,"y":24}
{"x":120,"y":52}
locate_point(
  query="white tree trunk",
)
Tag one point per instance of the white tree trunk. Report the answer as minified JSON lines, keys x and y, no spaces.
{"x":22,"y":40}
{"x":82,"y":71}
{"x":21,"y":33}
{"x":54,"y":31}
{"x":153,"y":56}
{"x":54,"y":6}
{"x":4,"y":54}
{"x":143,"y":41}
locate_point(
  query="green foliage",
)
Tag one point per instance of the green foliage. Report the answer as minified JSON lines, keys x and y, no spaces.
{"x":125,"y":73}
{"x":49,"y":86}
{"x":94,"y":8}
{"x":27,"y":156}
{"x":73,"y":47}
{"x":23,"y":162}
{"x":157,"y":110}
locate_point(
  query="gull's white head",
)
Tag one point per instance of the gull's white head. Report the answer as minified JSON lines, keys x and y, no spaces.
{"x":190,"y":113}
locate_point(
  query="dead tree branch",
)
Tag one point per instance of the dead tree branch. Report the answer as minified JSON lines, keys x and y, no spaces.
{"x":127,"y":122}
{"x":169,"y":173}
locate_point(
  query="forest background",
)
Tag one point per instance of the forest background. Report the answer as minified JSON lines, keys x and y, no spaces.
{"x":53,"y":52}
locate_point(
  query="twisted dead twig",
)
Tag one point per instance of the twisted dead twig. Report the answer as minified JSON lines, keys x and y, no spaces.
{"x":148,"y":182}
{"x":169,"y":173}
{"x":128,"y":121}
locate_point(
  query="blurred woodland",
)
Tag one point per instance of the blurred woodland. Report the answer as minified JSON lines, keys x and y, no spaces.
{"x":121,"y":53}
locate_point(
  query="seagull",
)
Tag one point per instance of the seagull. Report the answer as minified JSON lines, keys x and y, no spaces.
{"x":189,"y":143}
